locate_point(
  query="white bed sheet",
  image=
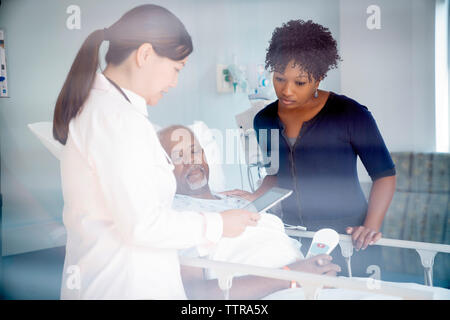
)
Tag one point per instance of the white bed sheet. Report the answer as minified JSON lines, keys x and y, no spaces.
{"x":346,"y":294}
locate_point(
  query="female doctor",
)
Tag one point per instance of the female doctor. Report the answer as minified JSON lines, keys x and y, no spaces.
{"x":117,"y":181}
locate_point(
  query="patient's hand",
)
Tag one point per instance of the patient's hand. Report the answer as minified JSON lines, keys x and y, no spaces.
{"x":320,"y":264}
{"x":240,"y":193}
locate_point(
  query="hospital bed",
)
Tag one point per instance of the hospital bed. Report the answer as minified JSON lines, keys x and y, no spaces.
{"x":311,"y":284}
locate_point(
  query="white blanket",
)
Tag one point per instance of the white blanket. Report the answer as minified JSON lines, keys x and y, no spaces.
{"x":265,"y":245}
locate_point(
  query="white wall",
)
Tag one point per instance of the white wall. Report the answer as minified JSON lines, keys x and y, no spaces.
{"x":40,"y":51}
{"x":391,"y":70}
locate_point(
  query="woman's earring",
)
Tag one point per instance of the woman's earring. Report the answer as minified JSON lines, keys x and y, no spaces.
{"x":316,"y":94}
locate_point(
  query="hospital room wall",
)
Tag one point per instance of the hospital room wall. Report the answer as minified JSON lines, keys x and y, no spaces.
{"x":377,"y":70}
{"x":40,"y":50}
{"x":243,"y":29}
{"x":391,"y":70}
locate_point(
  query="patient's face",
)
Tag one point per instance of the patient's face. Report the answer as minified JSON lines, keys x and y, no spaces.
{"x":191,"y":169}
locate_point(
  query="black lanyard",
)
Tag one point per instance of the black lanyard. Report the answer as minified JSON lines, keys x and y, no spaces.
{"x":118,"y":88}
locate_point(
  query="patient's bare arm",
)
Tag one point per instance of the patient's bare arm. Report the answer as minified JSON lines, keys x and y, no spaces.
{"x":268,"y":182}
{"x":381,"y":195}
{"x":320,"y":264}
{"x":250,"y":287}
{"x":245,"y":287}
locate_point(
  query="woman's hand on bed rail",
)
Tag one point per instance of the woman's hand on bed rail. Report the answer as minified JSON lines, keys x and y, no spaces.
{"x":363,"y":236}
{"x":235,"y":221}
{"x":320,"y":264}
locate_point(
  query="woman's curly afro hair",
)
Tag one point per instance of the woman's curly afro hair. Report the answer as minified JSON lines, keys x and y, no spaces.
{"x":310,"y":45}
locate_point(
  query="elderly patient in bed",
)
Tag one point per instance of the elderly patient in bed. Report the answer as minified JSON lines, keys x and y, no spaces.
{"x":265,"y":245}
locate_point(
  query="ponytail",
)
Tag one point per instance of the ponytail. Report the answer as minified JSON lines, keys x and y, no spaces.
{"x":78,"y":83}
{"x":144,"y":24}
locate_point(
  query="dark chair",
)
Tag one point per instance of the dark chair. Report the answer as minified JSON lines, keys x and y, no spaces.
{"x":419,"y":212}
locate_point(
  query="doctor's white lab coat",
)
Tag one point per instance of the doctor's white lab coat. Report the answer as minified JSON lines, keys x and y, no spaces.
{"x":118,"y":187}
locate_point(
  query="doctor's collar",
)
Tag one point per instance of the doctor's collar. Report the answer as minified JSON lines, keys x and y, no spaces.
{"x":136,"y":101}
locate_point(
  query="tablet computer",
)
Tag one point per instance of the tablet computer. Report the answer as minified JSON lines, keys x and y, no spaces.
{"x":268,"y":199}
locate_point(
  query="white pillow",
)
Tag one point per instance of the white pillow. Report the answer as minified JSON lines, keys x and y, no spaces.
{"x":44,"y":132}
{"x":213,"y":154}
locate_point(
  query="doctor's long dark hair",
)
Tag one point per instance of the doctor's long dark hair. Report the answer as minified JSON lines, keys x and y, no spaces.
{"x":143,"y":24}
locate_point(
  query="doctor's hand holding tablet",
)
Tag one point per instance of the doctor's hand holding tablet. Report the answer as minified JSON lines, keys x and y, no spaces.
{"x":235,"y":221}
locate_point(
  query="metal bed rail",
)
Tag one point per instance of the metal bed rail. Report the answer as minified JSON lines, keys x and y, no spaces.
{"x":426,"y":251}
{"x":310,"y":283}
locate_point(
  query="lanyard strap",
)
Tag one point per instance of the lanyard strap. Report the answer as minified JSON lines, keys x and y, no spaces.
{"x":118,"y":88}
{"x":125,"y":96}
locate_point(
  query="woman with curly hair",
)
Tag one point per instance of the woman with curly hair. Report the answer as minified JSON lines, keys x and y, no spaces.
{"x":321,"y":134}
